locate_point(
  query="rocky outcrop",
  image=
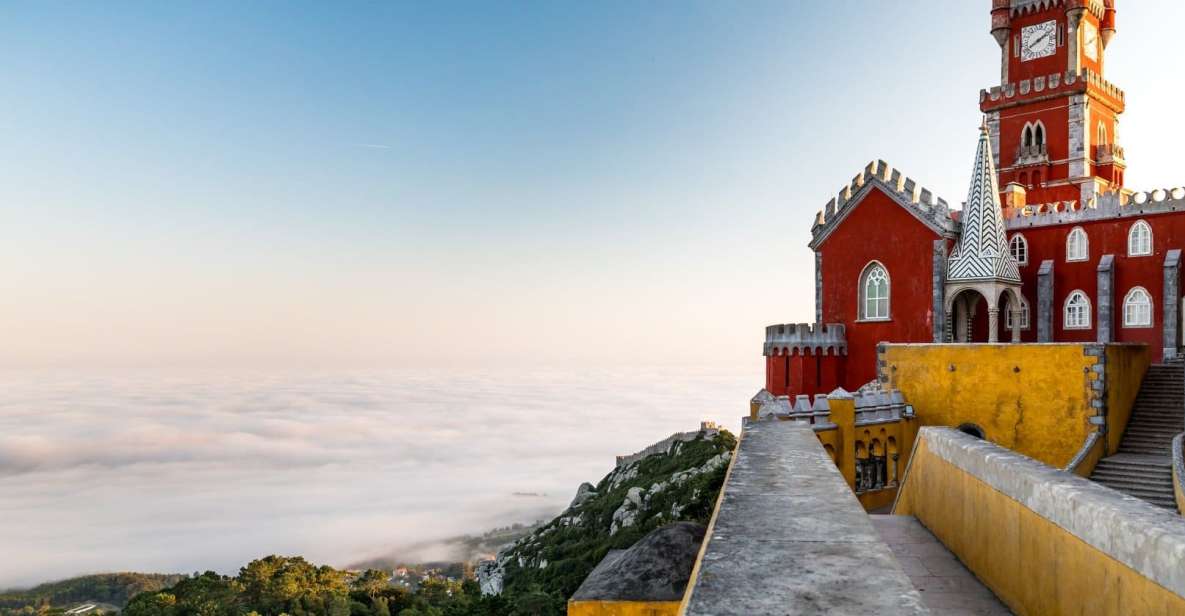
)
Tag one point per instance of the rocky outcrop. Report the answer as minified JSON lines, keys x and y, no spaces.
{"x":677,"y":480}
{"x":656,"y":568}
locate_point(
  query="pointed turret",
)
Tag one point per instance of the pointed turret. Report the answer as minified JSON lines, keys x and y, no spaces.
{"x":982,"y":252}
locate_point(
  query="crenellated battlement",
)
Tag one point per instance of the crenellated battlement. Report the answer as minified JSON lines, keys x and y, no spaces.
{"x":880,"y":406}
{"x":1115,"y":204}
{"x":798,"y":338}
{"x":1028,"y":7}
{"x":1046,"y":85}
{"x":905,"y":190}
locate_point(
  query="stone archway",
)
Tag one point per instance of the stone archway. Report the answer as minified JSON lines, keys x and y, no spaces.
{"x":973,"y":312}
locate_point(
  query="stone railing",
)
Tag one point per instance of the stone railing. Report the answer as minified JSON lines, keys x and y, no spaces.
{"x":788,"y":537}
{"x":1131,"y":554}
{"x":1037,"y":154}
{"x":1179,"y":472}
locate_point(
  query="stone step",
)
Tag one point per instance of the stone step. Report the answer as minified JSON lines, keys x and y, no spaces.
{"x":1138,"y":472}
{"x":1151,"y":483}
{"x":1155,"y":491}
{"x":1138,"y":460}
{"x":1144,"y":451}
{"x":1156,"y":499}
{"x":1142,"y":489}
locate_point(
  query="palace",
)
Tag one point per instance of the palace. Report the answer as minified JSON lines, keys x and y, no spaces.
{"x":1049,"y":247}
{"x":988,"y":413}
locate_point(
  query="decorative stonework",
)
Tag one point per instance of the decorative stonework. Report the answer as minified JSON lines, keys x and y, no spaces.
{"x":1106,"y":206}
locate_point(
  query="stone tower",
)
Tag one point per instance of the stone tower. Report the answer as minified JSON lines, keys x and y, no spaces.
{"x":1054,"y":119}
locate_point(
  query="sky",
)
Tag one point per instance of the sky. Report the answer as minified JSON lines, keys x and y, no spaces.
{"x":353,"y":185}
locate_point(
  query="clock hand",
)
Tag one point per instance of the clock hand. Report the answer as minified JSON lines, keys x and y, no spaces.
{"x":1042,"y":38}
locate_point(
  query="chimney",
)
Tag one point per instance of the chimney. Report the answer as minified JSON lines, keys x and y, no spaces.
{"x":1014,"y":198}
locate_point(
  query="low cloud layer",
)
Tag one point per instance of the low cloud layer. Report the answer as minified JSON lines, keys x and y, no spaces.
{"x":158,"y":473}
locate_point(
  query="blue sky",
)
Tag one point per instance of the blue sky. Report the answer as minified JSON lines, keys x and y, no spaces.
{"x":338,"y":184}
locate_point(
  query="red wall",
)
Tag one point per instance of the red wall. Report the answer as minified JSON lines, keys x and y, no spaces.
{"x":878,"y":228}
{"x":1106,"y":237}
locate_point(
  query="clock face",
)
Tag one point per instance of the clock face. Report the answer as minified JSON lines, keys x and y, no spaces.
{"x":1038,"y":41}
{"x":1090,"y":41}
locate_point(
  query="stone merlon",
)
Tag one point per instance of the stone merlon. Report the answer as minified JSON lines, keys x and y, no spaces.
{"x":819,"y":339}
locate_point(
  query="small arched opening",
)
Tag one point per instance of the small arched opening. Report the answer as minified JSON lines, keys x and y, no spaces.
{"x":972,"y":429}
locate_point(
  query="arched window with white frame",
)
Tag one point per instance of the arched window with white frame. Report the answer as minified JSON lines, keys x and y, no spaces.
{"x":874,"y":293}
{"x":1076,"y":314}
{"x":1137,"y":308}
{"x":1018,"y":247}
{"x":1010,"y":319}
{"x":1102,"y":134}
{"x":1139,"y":239}
{"x":1077,"y":245}
{"x":1039,"y":134}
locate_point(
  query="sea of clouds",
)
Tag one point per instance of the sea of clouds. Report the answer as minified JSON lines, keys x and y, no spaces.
{"x":153,"y":472}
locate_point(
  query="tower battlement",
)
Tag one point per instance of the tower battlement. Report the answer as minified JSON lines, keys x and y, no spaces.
{"x":1055,"y":84}
{"x":799,"y":338}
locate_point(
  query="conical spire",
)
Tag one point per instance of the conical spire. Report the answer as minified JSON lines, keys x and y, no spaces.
{"x":982,"y":252}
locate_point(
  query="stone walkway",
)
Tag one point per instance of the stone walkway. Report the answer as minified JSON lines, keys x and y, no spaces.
{"x":947,"y":587}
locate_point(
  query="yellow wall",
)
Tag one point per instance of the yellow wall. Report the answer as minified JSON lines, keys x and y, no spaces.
{"x":623,"y":608}
{"x":1032,"y":398}
{"x":1126,"y":366}
{"x":1030,"y":563}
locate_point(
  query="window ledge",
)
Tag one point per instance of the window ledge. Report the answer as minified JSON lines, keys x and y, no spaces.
{"x":1082,"y":260}
{"x":1126,"y":326}
{"x":1077,"y":327}
{"x":878,"y":320}
{"x":1139,"y":254}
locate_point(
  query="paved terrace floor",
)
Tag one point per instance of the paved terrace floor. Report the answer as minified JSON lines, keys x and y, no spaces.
{"x":946,"y":586}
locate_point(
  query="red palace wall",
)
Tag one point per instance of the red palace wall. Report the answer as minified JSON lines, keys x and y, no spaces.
{"x":878,"y":229}
{"x":1105,"y":237}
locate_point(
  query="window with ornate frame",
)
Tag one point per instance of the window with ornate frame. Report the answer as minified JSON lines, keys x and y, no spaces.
{"x":874,"y":293}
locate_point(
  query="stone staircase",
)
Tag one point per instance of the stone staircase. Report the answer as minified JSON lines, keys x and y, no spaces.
{"x":1143,"y":465}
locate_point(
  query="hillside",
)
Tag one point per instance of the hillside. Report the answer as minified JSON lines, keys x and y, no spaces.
{"x":110,"y":588}
{"x":676,"y":482}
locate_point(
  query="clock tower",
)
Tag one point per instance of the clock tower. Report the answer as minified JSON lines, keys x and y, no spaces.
{"x":1054,"y":119}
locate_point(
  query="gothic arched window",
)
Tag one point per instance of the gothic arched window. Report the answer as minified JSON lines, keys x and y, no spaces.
{"x":1039,"y":135}
{"x":1139,"y":239}
{"x":1009,"y":320}
{"x":1137,"y":308}
{"x":1077,"y":311}
{"x":1077,"y":245}
{"x":1018,"y":247}
{"x":874,"y":293}
{"x":1102,"y":134}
